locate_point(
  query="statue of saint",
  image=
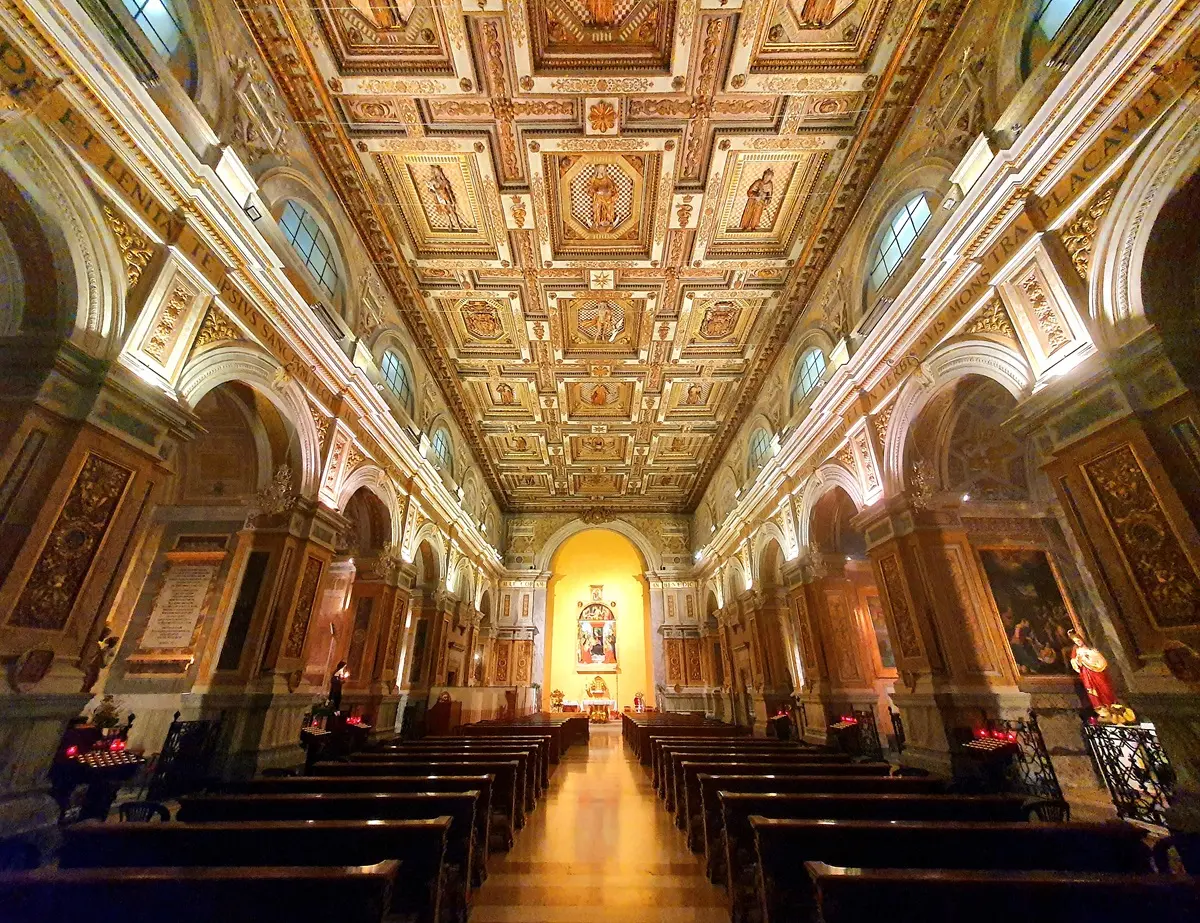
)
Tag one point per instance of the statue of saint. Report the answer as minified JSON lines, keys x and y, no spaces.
{"x":444,"y":201}
{"x":1092,"y":667}
{"x":695,"y":394}
{"x":603,"y":192}
{"x":340,"y":675}
{"x":758,"y":197}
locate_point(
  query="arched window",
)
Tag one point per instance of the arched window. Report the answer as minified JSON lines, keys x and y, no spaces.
{"x":898,"y":238}
{"x":159,"y":23}
{"x":310,"y":242}
{"x":1045,"y":25}
{"x":760,"y":451}
{"x":808,"y":373}
{"x":398,"y":377}
{"x":443,"y":451}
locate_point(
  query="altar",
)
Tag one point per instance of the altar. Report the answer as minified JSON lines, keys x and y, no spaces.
{"x":597,"y":703}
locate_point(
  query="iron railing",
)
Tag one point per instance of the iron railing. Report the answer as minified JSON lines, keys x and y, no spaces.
{"x":1030,"y":772}
{"x":1134,"y":767}
{"x":185,"y":762}
{"x":897,"y":729}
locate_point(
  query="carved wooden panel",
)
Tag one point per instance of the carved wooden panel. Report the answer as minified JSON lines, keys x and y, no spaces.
{"x":305,"y":599}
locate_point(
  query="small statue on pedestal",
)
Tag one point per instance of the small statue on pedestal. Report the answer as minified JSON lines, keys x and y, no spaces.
{"x":1092,"y":667}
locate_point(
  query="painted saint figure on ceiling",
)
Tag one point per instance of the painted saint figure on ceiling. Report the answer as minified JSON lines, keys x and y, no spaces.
{"x":817,"y":14}
{"x":445,"y":203}
{"x":695,"y":394}
{"x":505,"y":392}
{"x":603,"y":193}
{"x":601,"y":12}
{"x":758,"y":197}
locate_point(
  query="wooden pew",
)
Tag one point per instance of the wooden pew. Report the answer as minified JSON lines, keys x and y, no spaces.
{"x":641,"y":735}
{"x":739,"y":872}
{"x":540,"y":747}
{"x":666,"y":752}
{"x":460,"y":807}
{"x":264,"y":894}
{"x":418,"y":845}
{"x":673,"y":759}
{"x":531,"y":779}
{"x":782,"y":845}
{"x":690,"y":807}
{"x":851,"y":895}
{"x":559,"y":737}
{"x":510,"y":780}
{"x":365,"y":785}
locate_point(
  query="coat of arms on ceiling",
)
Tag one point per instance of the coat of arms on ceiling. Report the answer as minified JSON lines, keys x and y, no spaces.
{"x":720,"y":323}
{"x":719,"y":320}
{"x":482,"y":320}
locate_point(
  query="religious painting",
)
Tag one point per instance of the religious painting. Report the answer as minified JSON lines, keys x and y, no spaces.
{"x":1033,"y":609}
{"x":596,"y":647}
{"x":799,"y":33}
{"x":404,"y":36}
{"x":601,"y":397}
{"x":600,"y":326}
{"x":598,"y":484}
{"x":601,"y":203}
{"x":595,"y":447}
{"x":441,"y":198}
{"x":883,"y":638}
{"x":762,"y":202}
{"x":618,"y":36}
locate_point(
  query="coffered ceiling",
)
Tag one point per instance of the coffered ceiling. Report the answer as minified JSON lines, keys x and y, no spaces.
{"x":600,"y":218}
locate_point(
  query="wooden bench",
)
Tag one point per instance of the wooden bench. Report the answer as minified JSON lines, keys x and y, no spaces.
{"x":460,"y":807}
{"x":264,"y":894}
{"x":508,"y":800}
{"x":640,"y":737}
{"x":418,"y":845}
{"x":690,"y":806}
{"x":539,"y":746}
{"x":736,"y":860}
{"x":668,"y":753}
{"x":365,"y":785}
{"x":530,"y":777}
{"x":781,"y":845}
{"x":559,"y":737}
{"x":852,"y":895}
{"x":673,"y":759}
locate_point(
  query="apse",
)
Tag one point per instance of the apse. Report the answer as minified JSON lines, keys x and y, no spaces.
{"x":598,"y":626}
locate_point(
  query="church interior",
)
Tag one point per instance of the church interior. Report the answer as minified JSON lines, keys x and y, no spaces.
{"x":580,"y":460}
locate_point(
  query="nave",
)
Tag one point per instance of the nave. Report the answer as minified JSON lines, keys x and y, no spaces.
{"x":600,"y":849}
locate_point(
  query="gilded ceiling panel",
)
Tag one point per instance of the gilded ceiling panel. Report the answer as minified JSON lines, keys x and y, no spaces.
{"x":601,"y":217}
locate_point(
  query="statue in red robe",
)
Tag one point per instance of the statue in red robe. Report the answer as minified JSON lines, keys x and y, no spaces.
{"x":1092,"y":667}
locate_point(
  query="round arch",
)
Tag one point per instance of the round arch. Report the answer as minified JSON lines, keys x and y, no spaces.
{"x":373,"y":479}
{"x":825,"y":479}
{"x":88,"y":263}
{"x":999,"y":362}
{"x":650,"y":557}
{"x":1169,"y":158}
{"x":258,"y":369}
{"x":435,"y":556}
{"x":767,"y":533}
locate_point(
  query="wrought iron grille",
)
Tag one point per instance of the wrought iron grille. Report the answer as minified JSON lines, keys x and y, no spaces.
{"x":898,"y":729}
{"x":185,"y":762}
{"x":1135,"y":769}
{"x":1030,"y":771}
{"x":868,"y":735}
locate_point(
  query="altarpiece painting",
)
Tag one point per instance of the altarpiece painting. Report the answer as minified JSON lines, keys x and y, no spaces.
{"x":1033,"y":609}
{"x":596,"y":646}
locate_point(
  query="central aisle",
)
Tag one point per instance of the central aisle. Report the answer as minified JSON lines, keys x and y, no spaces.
{"x":600,"y":847}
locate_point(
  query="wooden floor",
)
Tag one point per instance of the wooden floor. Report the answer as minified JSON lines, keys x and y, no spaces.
{"x":600,"y":847}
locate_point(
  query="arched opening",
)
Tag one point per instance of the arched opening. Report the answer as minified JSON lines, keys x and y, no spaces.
{"x":598,"y":606}
{"x":846,"y":604}
{"x":200,"y":615}
{"x":416,"y":667}
{"x":482,"y":646}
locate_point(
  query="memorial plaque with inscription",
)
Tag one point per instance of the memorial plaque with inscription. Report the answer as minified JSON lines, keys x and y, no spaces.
{"x":178,"y":607}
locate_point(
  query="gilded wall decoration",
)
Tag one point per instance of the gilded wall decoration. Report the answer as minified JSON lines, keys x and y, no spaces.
{"x":1046,"y":314}
{"x":215,"y":328}
{"x":992,"y":318}
{"x":1080,"y":231}
{"x":893,"y":587}
{"x":74,"y":540}
{"x":136,"y":250}
{"x":158,"y":343}
{"x":601,"y":203}
{"x":1153,"y":552}
{"x":305,"y":599}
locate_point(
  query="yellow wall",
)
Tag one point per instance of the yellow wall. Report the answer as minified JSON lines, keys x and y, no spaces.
{"x":608,"y":558}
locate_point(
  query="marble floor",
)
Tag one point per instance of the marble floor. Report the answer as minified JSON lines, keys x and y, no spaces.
{"x":599,"y":847}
